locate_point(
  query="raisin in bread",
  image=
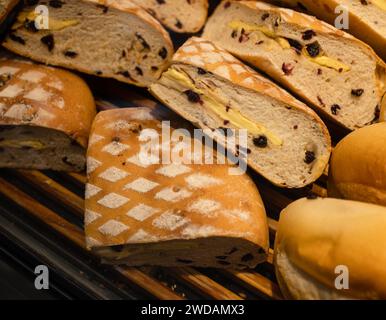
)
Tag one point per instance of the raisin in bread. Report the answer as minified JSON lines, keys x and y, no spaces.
{"x":332,"y":71}
{"x":112,"y":38}
{"x":178,"y":15}
{"x":287,"y":142}
{"x":45,"y":117}
{"x":167,"y":213}
{"x":366,"y":18}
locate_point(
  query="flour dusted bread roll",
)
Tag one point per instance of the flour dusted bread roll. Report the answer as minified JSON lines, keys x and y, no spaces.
{"x":366,"y":18}
{"x":111,"y":38}
{"x":314,"y":237}
{"x":287,"y":142}
{"x":141,"y":211}
{"x":178,"y":15}
{"x":358,"y":166}
{"x":45,"y":117}
{"x":332,"y":71}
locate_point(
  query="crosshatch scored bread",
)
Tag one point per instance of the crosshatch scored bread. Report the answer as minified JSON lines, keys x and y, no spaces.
{"x":45,"y":117}
{"x":173,"y":214}
{"x":332,"y":71}
{"x":111,"y":38}
{"x":287,"y":142}
{"x":178,"y":15}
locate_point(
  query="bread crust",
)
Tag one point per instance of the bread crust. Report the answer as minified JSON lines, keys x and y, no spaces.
{"x":318,"y":235}
{"x":153,"y":214}
{"x":204,"y":54}
{"x":125,"y":6}
{"x":358,"y":163}
{"x":311,"y":23}
{"x":38,"y":95}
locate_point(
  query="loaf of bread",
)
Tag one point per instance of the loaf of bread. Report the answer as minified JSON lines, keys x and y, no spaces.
{"x":144,"y":210}
{"x":338,"y":75}
{"x":178,"y":15}
{"x":366,"y":18}
{"x":45,"y":117}
{"x":287,"y":142}
{"x":358,"y":166}
{"x":331,"y":249}
{"x":111,"y":38}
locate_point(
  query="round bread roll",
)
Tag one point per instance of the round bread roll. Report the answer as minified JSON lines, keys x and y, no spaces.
{"x":319,"y":242}
{"x":358,"y":166}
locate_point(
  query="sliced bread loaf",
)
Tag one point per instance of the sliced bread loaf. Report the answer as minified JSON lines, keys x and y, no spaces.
{"x":45,"y":117}
{"x":366,"y":18}
{"x":111,"y":38}
{"x":166,"y":213}
{"x":287,"y":142}
{"x":332,"y":71}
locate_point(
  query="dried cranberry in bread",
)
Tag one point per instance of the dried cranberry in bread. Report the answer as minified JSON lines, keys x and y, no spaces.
{"x":332,"y":71}
{"x":366,"y":18}
{"x":111,"y":38}
{"x":45,"y":117}
{"x":166,"y":213}
{"x":178,"y":15}
{"x":287,"y":142}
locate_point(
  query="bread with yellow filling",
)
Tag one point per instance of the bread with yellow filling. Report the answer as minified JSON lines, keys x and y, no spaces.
{"x":335,"y":73}
{"x":45,"y":117}
{"x":287,"y":142}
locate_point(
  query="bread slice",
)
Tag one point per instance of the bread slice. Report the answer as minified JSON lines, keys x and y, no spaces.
{"x":332,"y":71}
{"x":366,"y":19}
{"x":358,"y":166}
{"x":287,"y":142}
{"x":323,"y":244}
{"x":111,"y":38}
{"x":178,"y":15}
{"x":166,"y":213}
{"x":45,"y":117}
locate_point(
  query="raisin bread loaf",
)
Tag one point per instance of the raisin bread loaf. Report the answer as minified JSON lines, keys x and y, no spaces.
{"x":45,"y":117}
{"x":366,"y":18}
{"x":287,"y":142}
{"x":332,"y":71}
{"x":358,"y":166}
{"x":331,"y":249}
{"x":178,"y":15}
{"x":112,"y":38}
{"x":147,"y":211}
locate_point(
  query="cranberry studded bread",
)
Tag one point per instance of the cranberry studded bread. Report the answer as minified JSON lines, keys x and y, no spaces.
{"x":366,"y":18}
{"x":186,"y":16}
{"x":287,"y":142}
{"x":112,"y":38}
{"x":45,"y":117}
{"x":331,"y":249}
{"x":332,"y":71}
{"x":358,"y":166}
{"x":141,"y":212}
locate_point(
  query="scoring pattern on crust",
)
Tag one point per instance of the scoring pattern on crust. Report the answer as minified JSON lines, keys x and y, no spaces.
{"x":128,"y":201}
